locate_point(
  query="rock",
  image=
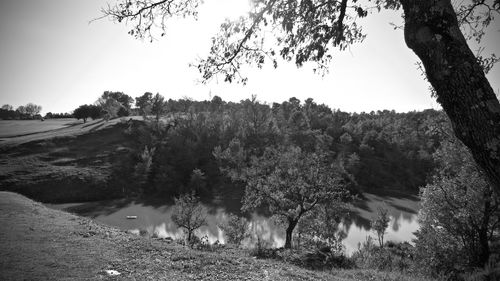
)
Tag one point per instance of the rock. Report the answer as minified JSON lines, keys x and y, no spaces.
{"x":111,"y":272}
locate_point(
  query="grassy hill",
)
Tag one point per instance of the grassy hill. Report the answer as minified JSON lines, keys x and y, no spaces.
{"x":69,"y":163}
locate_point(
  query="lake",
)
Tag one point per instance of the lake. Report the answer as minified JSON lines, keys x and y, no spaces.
{"x":154,"y":217}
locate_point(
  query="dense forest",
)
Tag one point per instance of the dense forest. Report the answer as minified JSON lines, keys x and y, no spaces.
{"x":377,"y":151}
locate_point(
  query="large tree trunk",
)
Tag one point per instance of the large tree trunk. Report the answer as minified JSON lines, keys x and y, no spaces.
{"x":289,"y":231}
{"x":433,"y":33}
{"x":484,"y":241}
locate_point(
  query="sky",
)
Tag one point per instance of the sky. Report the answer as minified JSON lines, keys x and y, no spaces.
{"x":52,"y":56}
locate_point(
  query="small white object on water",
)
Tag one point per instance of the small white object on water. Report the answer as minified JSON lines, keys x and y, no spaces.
{"x":131,"y":217}
{"x":112,"y":272}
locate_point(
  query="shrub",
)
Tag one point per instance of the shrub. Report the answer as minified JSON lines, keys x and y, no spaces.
{"x":393,"y":257}
{"x":324,"y":258}
{"x":189,"y":214}
{"x":235,"y":229}
{"x":262,"y":249}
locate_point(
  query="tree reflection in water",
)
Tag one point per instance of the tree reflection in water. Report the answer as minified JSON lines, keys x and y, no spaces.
{"x":155,"y":219}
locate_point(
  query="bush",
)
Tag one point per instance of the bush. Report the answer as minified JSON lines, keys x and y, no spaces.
{"x":263,"y":249}
{"x":324,"y":258}
{"x":235,"y":229}
{"x":204,"y":245}
{"x":392,"y":257}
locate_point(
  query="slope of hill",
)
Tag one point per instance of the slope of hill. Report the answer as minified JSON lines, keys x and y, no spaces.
{"x":65,"y":164}
{"x":38,"y":243}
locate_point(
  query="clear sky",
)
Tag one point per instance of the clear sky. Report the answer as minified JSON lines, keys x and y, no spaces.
{"x":52,"y":56}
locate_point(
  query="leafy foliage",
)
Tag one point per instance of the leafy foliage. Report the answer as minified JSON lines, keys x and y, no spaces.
{"x":289,"y":183}
{"x":28,"y":111}
{"x":235,"y":229}
{"x":459,"y":216}
{"x":396,"y":257}
{"x":115,"y":104}
{"x":303,"y":31}
{"x":307,"y":31}
{"x":189,"y":214}
{"x":144,"y":103}
{"x":386,"y":150}
{"x":87,"y":111}
{"x":380,"y":224}
{"x":33,"y":109}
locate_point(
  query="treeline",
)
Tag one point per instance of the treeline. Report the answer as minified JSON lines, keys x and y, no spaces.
{"x":109,"y":105}
{"x":381,"y":150}
{"x":51,"y":115}
{"x":28,"y":111}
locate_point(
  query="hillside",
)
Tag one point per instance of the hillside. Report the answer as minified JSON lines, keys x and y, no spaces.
{"x":39,"y":243}
{"x":71,"y":163}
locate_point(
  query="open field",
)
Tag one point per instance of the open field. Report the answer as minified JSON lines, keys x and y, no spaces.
{"x":16,"y":128}
{"x":70,"y":163}
{"x":15,"y":132}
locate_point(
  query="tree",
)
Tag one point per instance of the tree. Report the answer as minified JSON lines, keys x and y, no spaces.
{"x":95,"y":111}
{"x":189,"y":214}
{"x":288,"y":182}
{"x":32,"y":109}
{"x":7,"y":107}
{"x":7,"y":112}
{"x":115,"y":103}
{"x":197,"y":181}
{"x":82,"y":112}
{"x":158,"y":106}
{"x":320,"y":228}
{"x":125,"y":100}
{"x":308,"y":31}
{"x":144,"y":103}
{"x":460,"y":215}
{"x":21,"y":109}
{"x":110,"y":106}
{"x":380,"y":224}
{"x":87,"y":111}
{"x":235,"y":229}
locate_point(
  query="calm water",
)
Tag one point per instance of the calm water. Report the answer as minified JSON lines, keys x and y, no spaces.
{"x":155,"y":218}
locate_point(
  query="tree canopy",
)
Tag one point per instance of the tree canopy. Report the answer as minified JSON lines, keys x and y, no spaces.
{"x":115,"y":103}
{"x":309,"y":30}
{"x":460,"y":215}
{"x":86,"y":111}
{"x":287,"y":181}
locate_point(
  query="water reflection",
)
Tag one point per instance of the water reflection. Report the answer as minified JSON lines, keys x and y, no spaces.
{"x":156,"y":219}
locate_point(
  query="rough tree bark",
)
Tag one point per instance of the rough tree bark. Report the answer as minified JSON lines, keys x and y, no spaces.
{"x":432,"y":32}
{"x":289,"y":232}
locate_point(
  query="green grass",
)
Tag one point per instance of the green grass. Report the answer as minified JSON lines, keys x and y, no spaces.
{"x":12,"y":128}
{"x":64,"y":165}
